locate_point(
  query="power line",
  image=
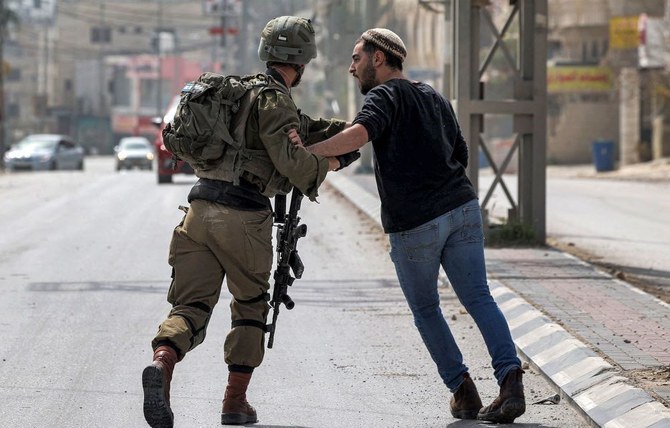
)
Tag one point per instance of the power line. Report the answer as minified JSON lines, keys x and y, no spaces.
{"x":75,"y":51}
{"x":116,"y":21}
{"x":91,"y":12}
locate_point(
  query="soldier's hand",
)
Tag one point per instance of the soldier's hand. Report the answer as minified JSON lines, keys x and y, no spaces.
{"x":347,"y":159}
{"x":333,"y":164}
{"x":295,"y":137}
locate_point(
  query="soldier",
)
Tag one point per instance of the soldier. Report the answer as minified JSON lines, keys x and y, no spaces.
{"x":430,"y":210}
{"x":227,"y":230}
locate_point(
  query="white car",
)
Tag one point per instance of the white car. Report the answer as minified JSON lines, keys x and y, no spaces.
{"x":45,"y":152}
{"x":134,"y":151}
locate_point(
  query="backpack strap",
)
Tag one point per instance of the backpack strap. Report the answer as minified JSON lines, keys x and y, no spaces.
{"x":254,"y":161}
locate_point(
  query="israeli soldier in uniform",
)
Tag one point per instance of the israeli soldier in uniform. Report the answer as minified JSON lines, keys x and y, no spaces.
{"x":227,"y":231}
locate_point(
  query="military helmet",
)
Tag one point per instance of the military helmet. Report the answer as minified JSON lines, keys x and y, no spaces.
{"x":288,"y":39}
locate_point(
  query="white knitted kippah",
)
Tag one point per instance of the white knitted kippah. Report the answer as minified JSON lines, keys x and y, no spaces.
{"x":386,"y":40}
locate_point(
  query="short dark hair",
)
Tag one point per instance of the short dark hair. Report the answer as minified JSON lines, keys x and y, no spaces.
{"x":391,"y":60}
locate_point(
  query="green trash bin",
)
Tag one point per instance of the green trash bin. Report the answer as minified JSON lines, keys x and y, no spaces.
{"x":603,"y":155}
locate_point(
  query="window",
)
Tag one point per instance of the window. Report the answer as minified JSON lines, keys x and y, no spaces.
{"x":101,"y":34}
{"x":14,"y":74}
{"x":120,"y":87}
{"x":148,"y":92}
{"x":65,"y":145}
{"x":13,"y":110}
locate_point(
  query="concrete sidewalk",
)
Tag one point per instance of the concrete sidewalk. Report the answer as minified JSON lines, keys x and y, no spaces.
{"x":600,"y":341}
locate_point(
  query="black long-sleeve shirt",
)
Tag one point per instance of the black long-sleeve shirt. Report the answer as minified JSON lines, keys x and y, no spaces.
{"x":420,"y":154}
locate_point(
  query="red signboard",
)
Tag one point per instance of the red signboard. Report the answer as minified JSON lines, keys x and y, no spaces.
{"x":218,"y":31}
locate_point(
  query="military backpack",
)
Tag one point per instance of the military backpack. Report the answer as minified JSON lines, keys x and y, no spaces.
{"x":201,"y":132}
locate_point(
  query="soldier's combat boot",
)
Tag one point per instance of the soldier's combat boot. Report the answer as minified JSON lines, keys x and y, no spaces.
{"x":510,"y":403}
{"x":156,"y":383}
{"x":465,"y":404}
{"x":236,"y":410}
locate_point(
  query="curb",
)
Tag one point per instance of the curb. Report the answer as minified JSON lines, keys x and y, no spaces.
{"x":590,"y":384}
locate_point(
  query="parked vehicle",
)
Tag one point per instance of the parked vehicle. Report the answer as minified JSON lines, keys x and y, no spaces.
{"x":166,"y":167}
{"x":134,"y":152}
{"x":45,"y":152}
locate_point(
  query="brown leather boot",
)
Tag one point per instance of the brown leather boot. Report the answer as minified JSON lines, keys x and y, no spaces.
{"x":510,"y":403}
{"x":465,"y":404}
{"x":156,"y":383}
{"x":236,"y":410}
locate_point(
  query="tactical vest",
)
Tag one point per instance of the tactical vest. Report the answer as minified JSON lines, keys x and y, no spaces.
{"x":256,"y":162}
{"x":237,"y":159}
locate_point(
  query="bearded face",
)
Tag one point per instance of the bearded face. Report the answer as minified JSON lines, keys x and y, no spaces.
{"x":362,"y":69}
{"x":367,"y":78}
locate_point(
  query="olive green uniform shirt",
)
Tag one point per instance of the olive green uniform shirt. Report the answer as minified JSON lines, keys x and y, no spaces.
{"x":267,"y":128}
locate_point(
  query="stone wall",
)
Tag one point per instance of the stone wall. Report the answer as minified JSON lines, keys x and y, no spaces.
{"x":572,"y":130}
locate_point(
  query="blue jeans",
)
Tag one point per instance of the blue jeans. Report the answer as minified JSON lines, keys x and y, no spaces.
{"x":454,"y":240}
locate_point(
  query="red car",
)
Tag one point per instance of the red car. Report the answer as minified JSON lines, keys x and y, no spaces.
{"x":164,"y":157}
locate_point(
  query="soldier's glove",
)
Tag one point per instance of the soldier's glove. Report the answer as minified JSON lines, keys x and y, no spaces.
{"x":347,"y":159}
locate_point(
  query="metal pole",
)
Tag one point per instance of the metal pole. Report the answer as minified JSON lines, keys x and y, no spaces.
{"x":447,"y":73}
{"x":466,"y":87}
{"x":368,"y":8}
{"x":527,"y":106}
{"x":159,"y":58}
{"x":539,"y":191}
{"x":244,"y":39}
{"x":3,"y":129}
{"x":101,"y":59}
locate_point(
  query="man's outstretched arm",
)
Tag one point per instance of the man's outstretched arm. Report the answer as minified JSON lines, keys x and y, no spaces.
{"x":349,"y":140}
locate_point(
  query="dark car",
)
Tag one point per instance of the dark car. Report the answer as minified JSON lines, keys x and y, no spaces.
{"x":45,"y":152}
{"x":134,"y":152}
{"x":166,"y":167}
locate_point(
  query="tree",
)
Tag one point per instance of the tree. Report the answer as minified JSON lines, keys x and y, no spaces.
{"x":7,"y":18}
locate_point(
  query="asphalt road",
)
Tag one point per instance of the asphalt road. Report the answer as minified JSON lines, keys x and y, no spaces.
{"x":83,"y":274}
{"x":621,"y":225}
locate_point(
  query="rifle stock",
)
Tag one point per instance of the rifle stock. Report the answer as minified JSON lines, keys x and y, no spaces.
{"x":288,"y":232}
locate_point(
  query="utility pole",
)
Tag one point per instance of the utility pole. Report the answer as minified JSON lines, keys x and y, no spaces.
{"x":448,"y":70}
{"x":368,"y":9}
{"x":224,"y":10}
{"x":230,"y":11}
{"x":222,"y":39}
{"x":41,"y":100}
{"x":244,"y":38}
{"x":3,"y":31}
{"x":448,"y":53}
{"x":159,"y":62}
{"x":527,"y":106}
{"x":7,"y":17}
{"x":101,"y":60}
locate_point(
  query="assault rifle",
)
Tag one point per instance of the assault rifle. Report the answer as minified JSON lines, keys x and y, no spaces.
{"x":288,"y":233}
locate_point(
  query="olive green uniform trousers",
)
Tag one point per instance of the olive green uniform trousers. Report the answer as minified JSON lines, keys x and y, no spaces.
{"x":214,"y":242}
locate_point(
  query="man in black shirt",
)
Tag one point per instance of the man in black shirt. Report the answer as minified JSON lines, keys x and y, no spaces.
{"x":431,"y":213}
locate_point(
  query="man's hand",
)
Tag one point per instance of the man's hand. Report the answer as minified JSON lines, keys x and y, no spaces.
{"x":333,"y":164}
{"x":295,"y":137}
{"x":347,"y":159}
